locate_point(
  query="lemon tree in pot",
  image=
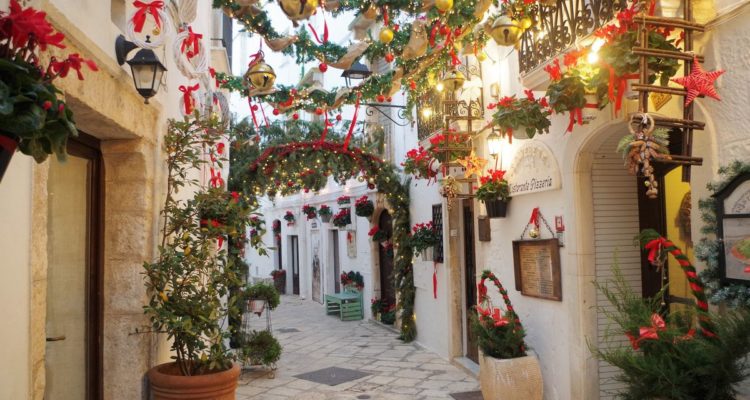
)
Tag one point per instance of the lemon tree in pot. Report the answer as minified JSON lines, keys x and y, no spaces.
{"x":506,"y":369}
{"x":494,"y":192}
{"x":189,"y":282}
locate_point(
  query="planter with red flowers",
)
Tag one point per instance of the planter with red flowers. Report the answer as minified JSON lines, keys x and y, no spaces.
{"x":343,"y":200}
{"x":364,"y":207}
{"x":289,"y":218}
{"x":309,"y":211}
{"x":279,"y":280}
{"x":325,"y":213}
{"x":352,"y":280}
{"x":377,"y":234}
{"x":32,"y":117}
{"x":423,"y":239}
{"x":506,"y":369}
{"x":522,"y":118}
{"x":421,"y":163}
{"x":343,"y":218}
{"x":494,"y":192}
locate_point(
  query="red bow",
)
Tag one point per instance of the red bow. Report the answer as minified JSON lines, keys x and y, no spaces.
{"x":534,"y":217}
{"x":482,"y":290}
{"x":216,"y":179}
{"x":187,"y":97}
{"x":647,"y":332}
{"x":354,"y":122}
{"x":140,"y":16}
{"x":325,"y":128}
{"x":193,"y":41}
{"x":235,"y":196}
{"x":499,"y":320}
{"x":576,"y":113}
{"x":654,"y":248}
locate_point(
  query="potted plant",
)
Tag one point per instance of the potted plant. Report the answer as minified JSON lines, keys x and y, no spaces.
{"x":325,"y":213}
{"x":388,"y":313}
{"x":353,"y":280}
{"x":505,"y":369}
{"x":376,"y":306}
{"x":342,"y":218}
{"x":289,"y":218}
{"x":259,"y":348}
{"x":423,"y":239}
{"x":449,"y":146}
{"x":190,"y":280}
{"x":260,"y":295}
{"x":689,"y":353}
{"x":279,"y":280}
{"x":420,"y":163}
{"x":522,"y":117}
{"x":343,"y":200}
{"x":32,"y":117}
{"x":364,"y":207}
{"x":494,"y":192}
{"x":377,"y":234}
{"x":309,"y":211}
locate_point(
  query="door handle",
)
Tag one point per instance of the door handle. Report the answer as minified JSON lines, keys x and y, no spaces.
{"x":56,"y":338}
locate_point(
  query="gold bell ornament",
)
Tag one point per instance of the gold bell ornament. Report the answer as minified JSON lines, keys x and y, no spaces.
{"x":454,"y":80}
{"x":505,"y":31}
{"x":298,"y":10}
{"x":386,"y":35}
{"x":260,"y":75}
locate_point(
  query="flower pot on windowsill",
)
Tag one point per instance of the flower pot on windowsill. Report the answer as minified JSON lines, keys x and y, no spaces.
{"x":428,"y":254}
{"x":510,"y":379}
{"x":496,"y":208}
{"x":8,"y":145}
{"x":167,"y":384}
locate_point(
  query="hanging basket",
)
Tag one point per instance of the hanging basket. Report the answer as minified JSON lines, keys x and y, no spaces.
{"x":8,"y":145}
{"x":325,"y":218}
{"x":520,"y":133}
{"x":428,"y":254}
{"x":591,"y":110}
{"x":496,"y":208}
{"x":256,"y":306}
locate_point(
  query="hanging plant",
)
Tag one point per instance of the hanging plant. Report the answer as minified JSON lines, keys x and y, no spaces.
{"x":342,"y":218}
{"x":420,"y":163}
{"x":424,"y":235}
{"x":364,"y":207}
{"x":289,"y":218}
{"x":309,"y":211}
{"x":343,"y":200}
{"x":377,"y":234}
{"x":522,"y":118}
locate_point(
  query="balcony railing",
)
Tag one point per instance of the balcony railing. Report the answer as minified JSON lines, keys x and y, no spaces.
{"x":561,"y":26}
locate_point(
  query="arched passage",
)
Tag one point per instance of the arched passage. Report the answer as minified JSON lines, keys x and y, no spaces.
{"x":305,"y":166}
{"x":385,"y":259}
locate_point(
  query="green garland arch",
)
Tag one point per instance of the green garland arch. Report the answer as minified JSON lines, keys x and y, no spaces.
{"x":707,"y":250}
{"x":288,"y":168}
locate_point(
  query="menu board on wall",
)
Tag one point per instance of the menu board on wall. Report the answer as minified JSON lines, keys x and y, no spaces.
{"x":537,"y":268}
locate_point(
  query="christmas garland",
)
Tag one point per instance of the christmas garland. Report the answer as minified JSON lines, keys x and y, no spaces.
{"x":708,"y":249}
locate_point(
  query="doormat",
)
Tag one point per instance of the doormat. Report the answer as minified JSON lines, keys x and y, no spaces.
{"x":287,"y":330}
{"x":332,"y":376}
{"x":475,"y":395}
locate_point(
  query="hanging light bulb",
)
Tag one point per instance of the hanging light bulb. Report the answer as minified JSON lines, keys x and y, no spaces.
{"x":427,"y":112}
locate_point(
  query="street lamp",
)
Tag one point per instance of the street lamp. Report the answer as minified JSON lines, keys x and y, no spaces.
{"x":357,"y":71}
{"x":494,"y":143}
{"x":146,"y":68}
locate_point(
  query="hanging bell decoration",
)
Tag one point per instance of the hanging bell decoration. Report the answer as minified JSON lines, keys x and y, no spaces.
{"x":505,"y":31}
{"x":298,"y":10}
{"x":260,"y":76}
{"x":454,"y":80}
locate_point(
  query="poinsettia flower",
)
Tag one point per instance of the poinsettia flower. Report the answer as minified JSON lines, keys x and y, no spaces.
{"x":75,"y":62}
{"x":543,"y":102}
{"x":529,"y":94}
{"x":570,"y":59}
{"x":554,"y":70}
{"x":506,"y":101}
{"x":29,"y":27}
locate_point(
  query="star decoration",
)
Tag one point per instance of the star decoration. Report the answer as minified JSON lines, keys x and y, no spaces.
{"x":699,"y":82}
{"x":473,"y":164}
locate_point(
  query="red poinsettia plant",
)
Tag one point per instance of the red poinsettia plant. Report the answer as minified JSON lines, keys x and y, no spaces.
{"x":343,"y":200}
{"x":309,"y":211}
{"x":364,"y":207}
{"x":493,"y":186}
{"x":377,"y":234}
{"x":528,"y":114}
{"x":424,"y":235}
{"x":325,"y":211}
{"x":420,"y":163}
{"x":289,"y":218}
{"x":449,"y":146}
{"x":342,"y":218}
{"x":31,"y":113}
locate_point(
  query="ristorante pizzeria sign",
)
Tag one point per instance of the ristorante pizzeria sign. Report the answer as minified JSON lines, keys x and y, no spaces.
{"x":534,"y":169}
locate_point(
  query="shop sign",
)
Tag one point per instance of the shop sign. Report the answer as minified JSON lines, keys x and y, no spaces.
{"x":534,"y":169}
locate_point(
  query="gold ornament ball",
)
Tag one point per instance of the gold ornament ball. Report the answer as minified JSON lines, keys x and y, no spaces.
{"x":260,"y":76}
{"x":386,"y":35}
{"x":533,"y":233}
{"x":298,"y":9}
{"x":526,"y":23}
{"x":443,"y":5}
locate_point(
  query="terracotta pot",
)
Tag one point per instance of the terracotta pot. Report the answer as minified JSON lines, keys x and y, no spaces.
{"x":256,"y":306}
{"x":510,"y":379}
{"x":167,"y":384}
{"x":8,"y":145}
{"x":496,"y":208}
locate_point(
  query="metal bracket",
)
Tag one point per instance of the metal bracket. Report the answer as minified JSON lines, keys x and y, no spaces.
{"x":372,"y":107}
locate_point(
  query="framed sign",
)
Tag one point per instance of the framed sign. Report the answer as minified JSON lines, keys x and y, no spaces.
{"x":733,"y":223}
{"x":537,"y":268}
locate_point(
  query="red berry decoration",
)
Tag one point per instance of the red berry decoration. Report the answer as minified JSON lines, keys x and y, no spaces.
{"x":396,"y":27}
{"x":318,"y":111}
{"x":338,"y":117}
{"x":389,"y":99}
{"x":413,"y":85}
{"x":389,"y":57}
{"x":255,"y":107}
{"x":323,"y":67}
{"x":276,"y":111}
{"x":295,"y":116}
{"x":380,"y":98}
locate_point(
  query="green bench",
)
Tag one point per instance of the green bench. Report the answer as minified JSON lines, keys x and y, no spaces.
{"x":348,"y":305}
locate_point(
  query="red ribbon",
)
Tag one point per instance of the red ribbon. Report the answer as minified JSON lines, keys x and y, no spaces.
{"x":647,"y":332}
{"x":193,"y":41}
{"x":454,"y":59}
{"x":386,"y":18}
{"x":433,"y":33}
{"x":576,"y":113}
{"x":216,"y":179}
{"x":325,"y":32}
{"x":534,"y":217}
{"x":654,"y":249}
{"x":187,"y":97}
{"x":252,"y":112}
{"x":325,"y":128}
{"x":481,"y":291}
{"x":618,"y":84}
{"x":354,"y":122}
{"x":434,"y":280}
{"x":139,"y":18}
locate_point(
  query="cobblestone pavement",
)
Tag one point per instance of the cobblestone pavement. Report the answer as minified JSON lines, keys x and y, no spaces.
{"x":396,"y":370}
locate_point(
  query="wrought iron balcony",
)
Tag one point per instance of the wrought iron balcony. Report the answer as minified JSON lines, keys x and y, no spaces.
{"x":559,"y":27}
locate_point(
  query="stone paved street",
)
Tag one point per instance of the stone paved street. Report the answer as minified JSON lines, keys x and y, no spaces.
{"x":396,"y":370}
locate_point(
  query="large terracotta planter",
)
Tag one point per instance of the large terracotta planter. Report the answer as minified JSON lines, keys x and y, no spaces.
{"x":510,"y":379}
{"x":167,"y":384}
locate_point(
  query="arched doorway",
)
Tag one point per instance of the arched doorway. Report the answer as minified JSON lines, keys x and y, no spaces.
{"x":385,"y":257}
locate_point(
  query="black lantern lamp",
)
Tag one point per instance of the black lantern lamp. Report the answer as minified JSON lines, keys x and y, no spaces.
{"x":357,"y":71}
{"x":146,"y":68}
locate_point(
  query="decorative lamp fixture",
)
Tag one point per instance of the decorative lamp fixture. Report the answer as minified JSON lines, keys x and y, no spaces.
{"x":260,"y":75}
{"x":494,"y":144}
{"x":357,"y":71}
{"x":145,"y":65}
{"x":505,"y":31}
{"x":454,"y":80}
{"x":427,"y":112}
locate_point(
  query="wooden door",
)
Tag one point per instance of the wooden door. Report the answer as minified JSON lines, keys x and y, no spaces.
{"x":336,"y":265}
{"x":74,"y":276}
{"x":294,"y":247}
{"x":470,"y":277}
{"x":385,"y":256}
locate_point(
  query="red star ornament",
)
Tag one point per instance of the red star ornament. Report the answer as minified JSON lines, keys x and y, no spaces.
{"x":699,"y":82}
